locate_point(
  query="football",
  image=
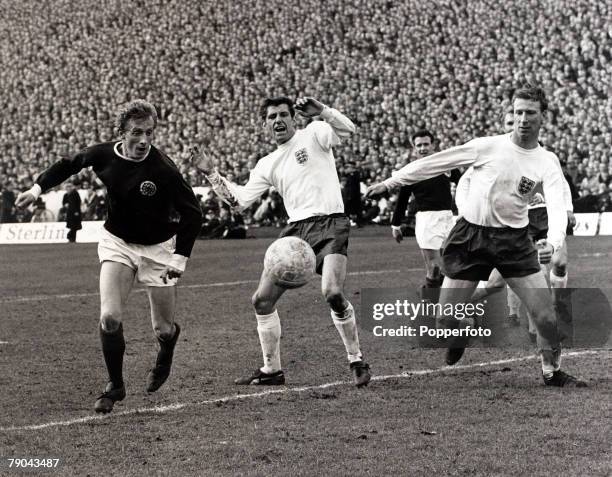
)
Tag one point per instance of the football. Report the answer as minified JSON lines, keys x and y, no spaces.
{"x":290,"y":262}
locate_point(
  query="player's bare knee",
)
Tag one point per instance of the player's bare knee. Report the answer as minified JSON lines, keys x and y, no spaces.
{"x":559,"y":269}
{"x":110,"y":321}
{"x":262,"y":305}
{"x":545,"y":317}
{"x":164,"y":331}
{"x":334,"y":297}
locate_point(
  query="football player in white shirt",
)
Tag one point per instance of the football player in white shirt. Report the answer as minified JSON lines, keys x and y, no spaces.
{"x":303,"y":171}
{"x":555,"y":270}
{"x":493,"y":230}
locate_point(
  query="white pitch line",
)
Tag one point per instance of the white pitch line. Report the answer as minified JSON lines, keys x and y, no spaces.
{"x":592,"y":255}
{"x":23,"y":299}
{"x":269,"y":392}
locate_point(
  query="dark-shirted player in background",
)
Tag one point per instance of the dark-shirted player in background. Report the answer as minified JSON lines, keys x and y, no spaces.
{"x":434,"y":217}
{"x":153,"y":221}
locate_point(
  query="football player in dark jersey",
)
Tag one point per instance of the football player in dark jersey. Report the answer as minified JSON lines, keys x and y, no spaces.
{"x":153,"y":221}
{"x":434,"y":217}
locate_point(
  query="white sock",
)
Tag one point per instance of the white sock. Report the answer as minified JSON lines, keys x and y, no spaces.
{"x":556,"y":281}
{"x":551,"y":361}
{"x":347,"y":327}
{"x":514,"y":302}
{"x":269,"y":330}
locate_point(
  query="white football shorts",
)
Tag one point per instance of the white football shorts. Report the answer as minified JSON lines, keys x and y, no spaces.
{"x":432,"y":228}
{"x":148,"y":261}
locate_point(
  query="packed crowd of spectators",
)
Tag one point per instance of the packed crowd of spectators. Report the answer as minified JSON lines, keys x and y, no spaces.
{"x":392,"y":67}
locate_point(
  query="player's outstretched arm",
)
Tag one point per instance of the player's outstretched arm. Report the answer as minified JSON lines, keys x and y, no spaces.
{"x":232,"y":194}
{"x":204,"y":163}
{"x":26,"y":198}
{"x":552,"y":183}
{"x":376,"y":190}
{"x":55,"y":175}
{"x":434,"y":165}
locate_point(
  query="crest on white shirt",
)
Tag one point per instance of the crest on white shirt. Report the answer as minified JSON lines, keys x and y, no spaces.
{"x":525,"y":185}
{"x":301,"y":155}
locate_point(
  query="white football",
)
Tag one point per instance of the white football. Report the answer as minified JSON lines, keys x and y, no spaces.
{"x":290,"y":261}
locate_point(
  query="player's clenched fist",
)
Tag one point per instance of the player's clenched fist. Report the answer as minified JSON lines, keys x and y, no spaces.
{"x":308,"y":106}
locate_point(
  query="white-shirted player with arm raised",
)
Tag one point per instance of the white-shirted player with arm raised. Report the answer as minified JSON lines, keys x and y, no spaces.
{"x":492,"y":232}
{"x":303,"y":171}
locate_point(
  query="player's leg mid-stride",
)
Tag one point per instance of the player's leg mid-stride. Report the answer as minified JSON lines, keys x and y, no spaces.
{"x":332,"y":267}
{"x":116,"y":280}
{"x":523,"y":276}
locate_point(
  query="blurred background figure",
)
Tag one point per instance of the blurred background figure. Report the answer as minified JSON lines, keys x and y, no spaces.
{"x":71,"y":203}
{"x":351,"y":193}
{"x":7,"y":207}
{"x":41,"y":213}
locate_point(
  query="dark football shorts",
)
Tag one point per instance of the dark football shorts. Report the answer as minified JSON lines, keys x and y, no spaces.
{"x":471,"y":252}
{"x":326,"y":234}
{"x":538,"y":223}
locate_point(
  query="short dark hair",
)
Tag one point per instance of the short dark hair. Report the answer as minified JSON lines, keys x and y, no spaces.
{"x":532,"y":93}
{"x":136,"y":109}
{"x":423,"y":133}
{"x":276,"y":101}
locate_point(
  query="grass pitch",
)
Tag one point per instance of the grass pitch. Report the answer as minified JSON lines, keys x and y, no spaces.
{"x":496,"y":419}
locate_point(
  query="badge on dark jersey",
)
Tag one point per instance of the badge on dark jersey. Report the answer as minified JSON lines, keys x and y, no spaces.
{"x":525,"y":185}
{"x":148,"y":188}
{"x":301,"y":156}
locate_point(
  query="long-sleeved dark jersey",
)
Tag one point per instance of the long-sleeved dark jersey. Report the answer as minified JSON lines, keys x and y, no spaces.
{"x":430,"y":194}
{"x":148,"y":201}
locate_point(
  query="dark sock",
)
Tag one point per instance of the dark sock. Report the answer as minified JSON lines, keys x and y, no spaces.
{"x":113,"y":347}
{"x":166,"y":348}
